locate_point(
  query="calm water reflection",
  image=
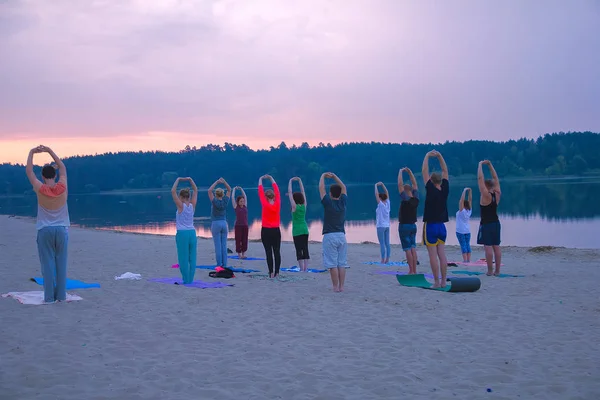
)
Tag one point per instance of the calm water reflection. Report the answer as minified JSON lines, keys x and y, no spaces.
{"x":560,"y":212}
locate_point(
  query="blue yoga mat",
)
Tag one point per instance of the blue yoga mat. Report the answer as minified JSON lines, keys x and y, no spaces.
{"x":247,"y":258}
{"x":71,"y":283}
{"x":234,"y":269}
{"x":297,"y":269}
{"x":483,"y":273}
{"x":390,"y":264}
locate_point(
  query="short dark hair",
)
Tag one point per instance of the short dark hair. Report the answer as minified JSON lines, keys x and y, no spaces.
{"x":298,"y":197}
{"x":466,"y":204}
{"x":383,"y":196}
{"x":335,"y":190}
{"x":48,"y":172}
{"x":436,"y":178}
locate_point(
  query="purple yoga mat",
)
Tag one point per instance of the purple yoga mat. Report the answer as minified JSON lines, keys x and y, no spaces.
{"x":195,"y":284}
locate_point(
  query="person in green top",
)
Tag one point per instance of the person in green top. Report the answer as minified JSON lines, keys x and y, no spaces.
{"x":299,"y":225}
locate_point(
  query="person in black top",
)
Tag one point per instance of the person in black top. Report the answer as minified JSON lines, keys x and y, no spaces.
{"x":335,"y":247}
{"x":435,"y":215}
{"x":489,"y":227}
{"x":407,"y":218}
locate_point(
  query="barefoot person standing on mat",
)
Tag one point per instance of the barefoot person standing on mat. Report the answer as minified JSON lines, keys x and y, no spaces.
{"x":240,"y":206}
{"x":382,"y":221}
{"x":463,"y":230}
{"x":270,"y":233}
{"x":407,"y":218}
{"x":435,"y":216}
{"x":185,"y":238}
{"x":218,"y":227}
{"x":335,"y":247}
{"x":489,"y":227}
{"x":52,"y":224}
{"x":299,"y":225}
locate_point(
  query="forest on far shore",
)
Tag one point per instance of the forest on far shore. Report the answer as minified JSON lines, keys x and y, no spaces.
{"x":573,"y":153}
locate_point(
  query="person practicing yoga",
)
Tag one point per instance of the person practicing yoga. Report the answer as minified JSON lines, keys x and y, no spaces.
{"x":270,"y":233}
{"x":489,"y":227}
{"x":435,"y":216}
{"x":218,"y":216}
{"x":335,"y":247}
{"x":52,"y":223}
{"x":185,"y":238}
{"x":463,"y":231}
{"x":299,"y":225}
{"x":240,"y":206}
{"x":382,"y":221}
{"x":407,"y":218}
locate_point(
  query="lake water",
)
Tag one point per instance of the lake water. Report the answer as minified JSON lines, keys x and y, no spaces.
{"x":559,"y":212}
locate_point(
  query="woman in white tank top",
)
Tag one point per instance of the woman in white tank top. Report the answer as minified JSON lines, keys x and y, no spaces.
{"x":383,"y":221}
{"x":185,"y":237}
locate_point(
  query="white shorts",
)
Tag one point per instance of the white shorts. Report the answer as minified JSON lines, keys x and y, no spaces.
{"x":335,"y":250}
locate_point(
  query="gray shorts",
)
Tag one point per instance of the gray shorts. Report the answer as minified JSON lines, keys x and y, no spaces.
{"x":335,"y":250}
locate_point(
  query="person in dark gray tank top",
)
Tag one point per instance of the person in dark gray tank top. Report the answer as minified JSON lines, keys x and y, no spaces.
{"x":489,"y":227}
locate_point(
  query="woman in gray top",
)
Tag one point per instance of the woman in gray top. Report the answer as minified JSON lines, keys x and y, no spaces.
{"x":218,"y":215}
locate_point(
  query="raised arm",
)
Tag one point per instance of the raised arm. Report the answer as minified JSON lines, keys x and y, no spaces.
{"x":291,"y":195}
{"x":481,"y":178}
{"x":385,"y":189}
{"x":211,"y":195}
{"x":425,"y":168}
{"x":461,"y":202}
{"x":443,"y":165}
{"x":470,"y":197}
{"x":339,"y":182}
{"x":233,"y":201}
{"x":194,"y":199}
{"x":400,"y":180}
{"x":245,"y":197}
{"x":303,"y":193}
{"x":62,"y":170}
{"x":322,"y":185}
{"x":377,"y":192}
{"x":494,"y":175}
{"x":261,"y":191}
{"x":413,"y":180}
{"x":35,"y":182}
{"x":227,"y":187}
{"x":176,"y":199}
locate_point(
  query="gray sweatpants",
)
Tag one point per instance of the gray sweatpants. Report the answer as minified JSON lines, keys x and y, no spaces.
{"x":52,"y":242}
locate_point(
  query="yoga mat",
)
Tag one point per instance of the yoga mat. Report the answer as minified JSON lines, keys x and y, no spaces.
{"x":71,"y":283}
{"x":212,"y":267}
{"x":456,"y":284}
{"x":195,"y":284}
{"x":247,"y":258}
{"x":36,"y":297}
{"x":297,"y":269}
{"x":390,"y":264}
{"x":399,"y":273}
{"x":280,"y":278}
{"x":478,"y":263}
{"x":483,"y":273}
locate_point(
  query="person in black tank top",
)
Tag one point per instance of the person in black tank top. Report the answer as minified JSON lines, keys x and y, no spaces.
{"x":407,"y":218}
{"x":489,"y":226}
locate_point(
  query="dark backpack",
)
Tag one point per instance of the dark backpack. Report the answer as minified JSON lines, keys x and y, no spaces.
{"x":225,"y":273}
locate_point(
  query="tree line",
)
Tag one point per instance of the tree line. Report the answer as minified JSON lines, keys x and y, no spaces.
{"x":573,"y":153}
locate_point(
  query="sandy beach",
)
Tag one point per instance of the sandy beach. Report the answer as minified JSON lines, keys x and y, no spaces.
{"x":533,"y":337}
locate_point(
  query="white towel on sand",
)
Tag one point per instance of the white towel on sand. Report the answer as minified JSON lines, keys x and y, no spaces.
{"x":36,"y":297}
{"x":129,"y":275}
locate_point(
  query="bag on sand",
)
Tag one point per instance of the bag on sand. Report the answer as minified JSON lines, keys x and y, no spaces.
{"x":222,"y":273}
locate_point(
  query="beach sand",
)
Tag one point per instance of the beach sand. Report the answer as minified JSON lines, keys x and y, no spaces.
{"x":532,"y":337}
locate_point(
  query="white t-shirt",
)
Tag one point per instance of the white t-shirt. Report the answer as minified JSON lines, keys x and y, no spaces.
{"x":462,"y":221}
{"x":383,"y":214}
{"x":184,"y":221}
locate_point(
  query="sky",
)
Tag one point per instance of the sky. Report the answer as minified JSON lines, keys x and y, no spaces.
{"x":86,"y":77}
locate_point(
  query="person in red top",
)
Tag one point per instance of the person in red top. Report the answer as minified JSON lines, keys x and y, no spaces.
{"x":270,"y":234}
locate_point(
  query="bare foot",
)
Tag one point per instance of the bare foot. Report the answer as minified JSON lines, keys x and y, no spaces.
{"x":387,"y":260}
{"x":489,"y":273}
{"x":335,"y":289}
{"x":436,"y":285}
{"x":341,"y":289}
{"x":383,"y":262}
{"x":442,"y":284}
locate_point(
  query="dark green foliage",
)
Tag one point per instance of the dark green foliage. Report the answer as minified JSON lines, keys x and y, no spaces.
{"x":552,"y":154}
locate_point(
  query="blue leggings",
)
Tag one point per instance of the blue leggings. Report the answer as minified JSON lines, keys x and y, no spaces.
{"x":219,"y":231}
{"x":186,"y":254}
{"x":383,"y":235}
{"x":464,"y":239}
{"x":52,"y":242}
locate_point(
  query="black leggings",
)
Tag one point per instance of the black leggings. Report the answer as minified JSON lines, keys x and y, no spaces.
{"x":271,"y":240}
{"x":301,"y":243}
